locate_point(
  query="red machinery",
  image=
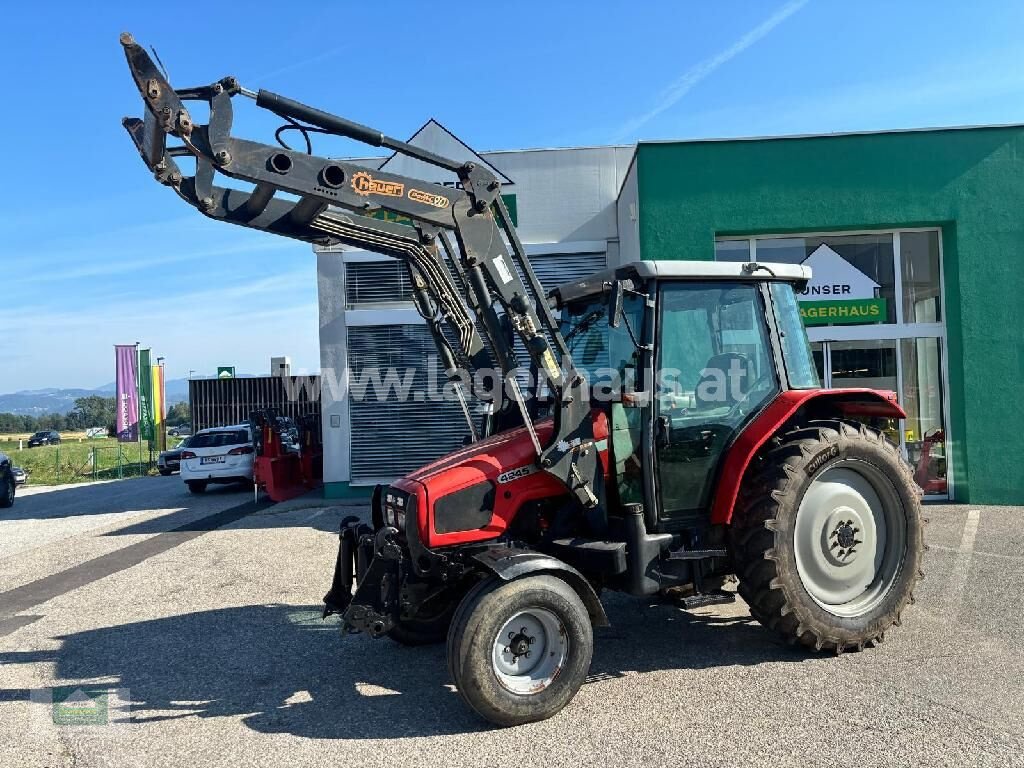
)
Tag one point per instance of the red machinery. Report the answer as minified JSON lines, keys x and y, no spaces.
{"x":924,"y":474}
{"x":289,"y":457}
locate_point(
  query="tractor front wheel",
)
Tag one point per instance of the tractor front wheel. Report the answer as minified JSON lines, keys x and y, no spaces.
{"x":429,"y":625}
{"x":520,"y":650}
{"x":828,"y":536}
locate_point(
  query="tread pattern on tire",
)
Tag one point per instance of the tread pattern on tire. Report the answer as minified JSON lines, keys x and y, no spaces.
{"x":471,"y":667}
{"x":761,"y":538}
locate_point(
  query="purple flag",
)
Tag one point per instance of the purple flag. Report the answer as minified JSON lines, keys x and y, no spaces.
{"x":127,"y":394}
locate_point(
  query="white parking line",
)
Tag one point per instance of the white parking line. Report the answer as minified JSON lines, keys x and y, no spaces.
{"x":316,"y":514}
{"x":962,"y":565}
{"x":977,"y":553}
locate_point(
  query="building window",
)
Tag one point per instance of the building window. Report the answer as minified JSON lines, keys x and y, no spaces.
{"x":919,"y":260}
{"x":732,"y":250}
{"x":853,"y":282}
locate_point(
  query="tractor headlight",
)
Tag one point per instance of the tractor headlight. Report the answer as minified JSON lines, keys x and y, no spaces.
{"x":395,"y":509}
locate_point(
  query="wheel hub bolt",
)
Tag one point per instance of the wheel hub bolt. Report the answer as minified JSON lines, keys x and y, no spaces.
{"x":845,"y":539}
{"x":519,"y":644}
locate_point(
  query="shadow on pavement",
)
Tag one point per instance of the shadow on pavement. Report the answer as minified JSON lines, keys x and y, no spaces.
{"x":282,"y":670}
{"x":129,"y":495}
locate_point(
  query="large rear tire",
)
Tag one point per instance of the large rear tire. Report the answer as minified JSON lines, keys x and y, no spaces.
{"x":828,"y":536}
{"x":520,"y":650}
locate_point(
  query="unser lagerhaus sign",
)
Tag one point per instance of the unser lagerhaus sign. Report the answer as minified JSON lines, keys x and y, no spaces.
{"x":838,"y":293}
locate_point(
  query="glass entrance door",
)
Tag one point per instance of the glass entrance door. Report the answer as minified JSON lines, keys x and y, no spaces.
{"x":912,"y":369}
{"x":870,"y":364}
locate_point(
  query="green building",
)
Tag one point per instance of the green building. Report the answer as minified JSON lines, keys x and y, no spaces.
{"x":916,"y":239}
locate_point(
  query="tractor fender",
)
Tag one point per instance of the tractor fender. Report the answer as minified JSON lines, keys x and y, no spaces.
{"x":510,"y":563}
{"x":816,"y":403}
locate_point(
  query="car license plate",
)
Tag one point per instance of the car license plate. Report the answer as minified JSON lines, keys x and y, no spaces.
{"x":211,"y":460}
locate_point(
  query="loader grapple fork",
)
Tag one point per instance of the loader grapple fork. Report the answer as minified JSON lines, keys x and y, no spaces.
{"x":492,"y":276}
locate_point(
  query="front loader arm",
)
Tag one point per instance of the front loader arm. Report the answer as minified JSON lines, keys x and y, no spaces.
{"x":335,"y":203}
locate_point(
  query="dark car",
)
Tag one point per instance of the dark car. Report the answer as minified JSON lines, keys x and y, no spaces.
{"x":7,"y":482}
{"x":44,"y":437}
{"x":170,"y":461}
{"x":183,"y":431}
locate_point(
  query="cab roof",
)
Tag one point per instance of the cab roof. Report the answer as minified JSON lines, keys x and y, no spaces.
{"x":682,"y":270}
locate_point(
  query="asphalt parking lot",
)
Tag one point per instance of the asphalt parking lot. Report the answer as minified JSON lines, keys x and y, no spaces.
{"x":200,"y":617}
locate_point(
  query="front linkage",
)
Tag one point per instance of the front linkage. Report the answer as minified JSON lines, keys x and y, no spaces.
{"x":384,"y":577}
{"x":374,"y":561}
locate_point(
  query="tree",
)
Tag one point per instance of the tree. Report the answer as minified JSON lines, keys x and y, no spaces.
{"x":10,"y":422}
{"x":56,"y":421}
{"x":93,"y":411}
{"x":178,"y":414}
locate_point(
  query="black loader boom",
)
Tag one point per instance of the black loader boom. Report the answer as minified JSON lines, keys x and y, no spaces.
{"x":489,"y":287}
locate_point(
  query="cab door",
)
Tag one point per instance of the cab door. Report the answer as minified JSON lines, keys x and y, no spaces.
{"x":715,"y":369}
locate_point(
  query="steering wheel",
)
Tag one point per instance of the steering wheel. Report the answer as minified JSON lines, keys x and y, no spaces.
{"x":737,"y":407}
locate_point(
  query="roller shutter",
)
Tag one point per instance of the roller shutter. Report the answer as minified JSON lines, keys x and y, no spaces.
{"x":391,"y":438}
{"x":395,"y":435}
{"x":376,"y":282}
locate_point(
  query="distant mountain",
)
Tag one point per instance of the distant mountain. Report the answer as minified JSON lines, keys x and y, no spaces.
{"x":36,"y":402}
{"x":40,"y":401}
{"x":176,"y":389}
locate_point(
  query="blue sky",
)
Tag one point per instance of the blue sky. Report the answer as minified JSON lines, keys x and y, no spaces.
{"x":93,"y":253}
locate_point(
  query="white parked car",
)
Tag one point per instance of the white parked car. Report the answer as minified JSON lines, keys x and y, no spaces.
{"x":218,"y":455}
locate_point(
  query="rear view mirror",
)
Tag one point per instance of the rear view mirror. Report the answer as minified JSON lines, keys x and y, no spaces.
{"x":615,"y":304}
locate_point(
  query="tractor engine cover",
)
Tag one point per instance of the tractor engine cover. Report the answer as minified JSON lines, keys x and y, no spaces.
{"x":473,"y":494}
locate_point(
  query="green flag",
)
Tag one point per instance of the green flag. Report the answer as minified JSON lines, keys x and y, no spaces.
{"x":145,"y":396}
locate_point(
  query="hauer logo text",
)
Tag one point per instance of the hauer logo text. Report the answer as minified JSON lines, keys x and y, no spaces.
{"x":364,"y":184}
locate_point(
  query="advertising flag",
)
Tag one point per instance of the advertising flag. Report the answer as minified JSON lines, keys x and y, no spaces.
{"x":158,"y":407}
{"x":126,"y":393}
{"x":145,"y":395}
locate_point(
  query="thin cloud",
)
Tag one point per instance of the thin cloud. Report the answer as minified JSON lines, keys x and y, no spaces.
{"x":686,"y":82}
{"x":983,"y":90}
{"x":96,"y":268}
{"x":328,"y":54}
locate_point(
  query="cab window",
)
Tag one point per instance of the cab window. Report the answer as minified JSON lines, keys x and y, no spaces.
{"x":715,"y":370}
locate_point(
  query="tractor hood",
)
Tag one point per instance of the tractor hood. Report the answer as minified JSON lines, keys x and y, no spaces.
{"x":474,"y":493}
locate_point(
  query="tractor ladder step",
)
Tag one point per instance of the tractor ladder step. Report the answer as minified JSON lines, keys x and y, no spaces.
{"x":696,"y":554}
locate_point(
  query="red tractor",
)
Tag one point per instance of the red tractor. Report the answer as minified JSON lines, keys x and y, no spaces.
{"x":673,"y":433}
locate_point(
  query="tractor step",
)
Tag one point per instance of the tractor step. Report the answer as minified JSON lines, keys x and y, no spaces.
{"x":699,"y":600}
{"x":608,"y":557}
{"x":696,"y":554}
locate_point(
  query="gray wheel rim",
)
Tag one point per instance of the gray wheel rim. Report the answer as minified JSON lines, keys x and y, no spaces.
{"x":530,"y":651}
{"x":850,"y":538}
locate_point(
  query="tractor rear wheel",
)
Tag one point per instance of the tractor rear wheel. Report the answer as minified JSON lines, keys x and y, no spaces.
{"x":827,"y":537}
{"x":520,"y":650}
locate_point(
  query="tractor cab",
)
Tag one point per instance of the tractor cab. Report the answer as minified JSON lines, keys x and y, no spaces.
{"x":682,"y":356}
